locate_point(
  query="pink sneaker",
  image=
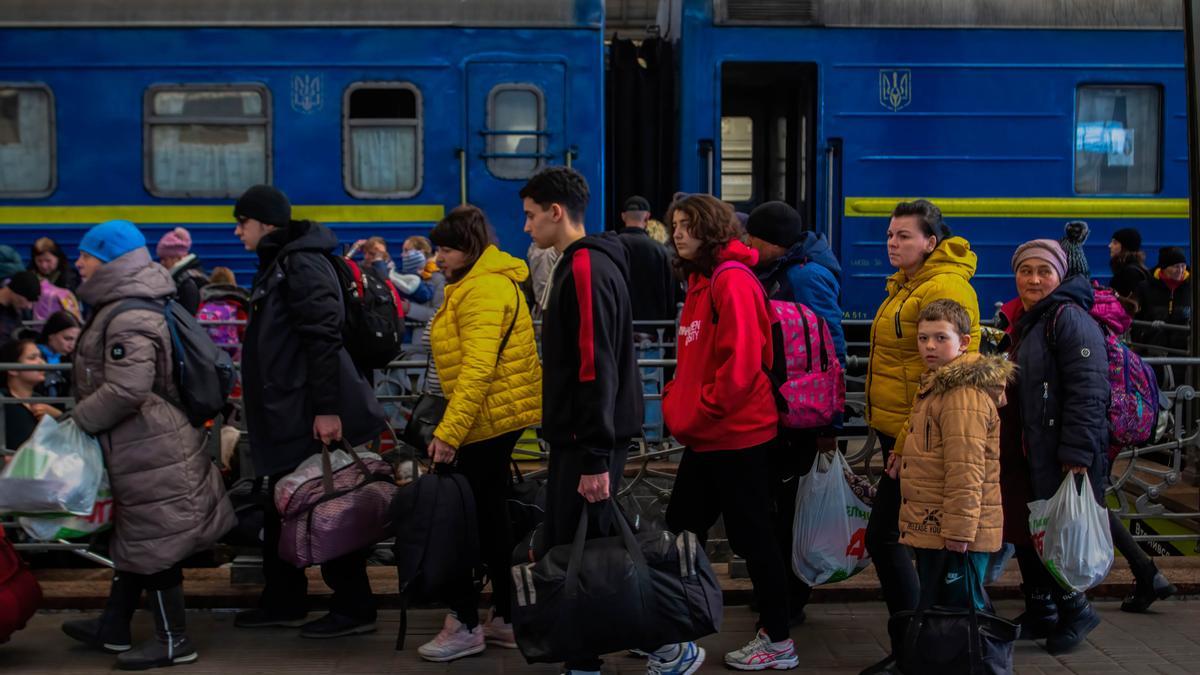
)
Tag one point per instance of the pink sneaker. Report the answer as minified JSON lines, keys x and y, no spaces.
{"x":454,"y":642}
{"x":498,"y":632}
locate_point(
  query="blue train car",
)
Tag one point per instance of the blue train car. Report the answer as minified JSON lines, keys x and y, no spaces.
{"x":1014,"y":117}
{"x":375,"y":118}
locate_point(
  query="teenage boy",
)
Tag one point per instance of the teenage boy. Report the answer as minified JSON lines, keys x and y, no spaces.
{"x":591,"y":387}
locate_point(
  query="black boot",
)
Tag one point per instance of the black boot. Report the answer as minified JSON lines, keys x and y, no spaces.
{"x":1040,"y":615}
{"x":110,"y":631}
{"x":1151,"y":586}
{"x":1076,"y":619}
{"x":170,"y":646}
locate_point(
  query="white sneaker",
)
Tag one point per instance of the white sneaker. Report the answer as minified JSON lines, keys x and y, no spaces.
{"x":454,"y":642}
{"x":498,"y":632}
{"x":762,"y":654}
{"x":688,"y":661}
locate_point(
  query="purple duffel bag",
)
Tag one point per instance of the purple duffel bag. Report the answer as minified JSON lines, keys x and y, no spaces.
{"x":337,"y":512}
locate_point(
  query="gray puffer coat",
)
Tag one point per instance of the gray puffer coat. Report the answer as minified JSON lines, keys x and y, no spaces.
{"x":168,"y":498}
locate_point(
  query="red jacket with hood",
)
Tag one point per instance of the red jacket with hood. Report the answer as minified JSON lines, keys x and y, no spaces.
{"x":721,"y":398}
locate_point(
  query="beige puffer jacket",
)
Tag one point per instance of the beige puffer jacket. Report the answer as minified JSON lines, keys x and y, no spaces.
{"x":950,"y":471}
{"x":168,"y":498}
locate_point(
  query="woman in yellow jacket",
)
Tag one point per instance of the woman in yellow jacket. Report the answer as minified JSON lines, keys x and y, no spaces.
{"x":486,"y":361}
{"x":931,"y":264}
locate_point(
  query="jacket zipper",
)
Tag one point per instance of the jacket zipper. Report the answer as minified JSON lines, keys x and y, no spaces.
{"x":899,"y":333}
{"x":1046,"y":402}
{"x":928,"y":424}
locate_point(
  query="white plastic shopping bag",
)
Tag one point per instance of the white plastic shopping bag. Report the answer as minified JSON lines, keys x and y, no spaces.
{"x":1071,"y":534}
{"x":53,"y":528}
{"x":830,"y":528}
{"x":56,"y":471}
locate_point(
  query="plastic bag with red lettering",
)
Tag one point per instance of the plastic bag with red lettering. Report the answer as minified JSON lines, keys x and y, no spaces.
{"x":830,"y":528}
{"x":53,"y":528}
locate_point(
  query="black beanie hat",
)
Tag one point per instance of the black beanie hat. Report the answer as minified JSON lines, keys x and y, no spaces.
{"x":27,"y":285}
{"x":266,"y":204}
{"x":1171,"y":255}
{"x":1076,"y":233}
{"x":776,"y":223}
{"x":1129,"y":239}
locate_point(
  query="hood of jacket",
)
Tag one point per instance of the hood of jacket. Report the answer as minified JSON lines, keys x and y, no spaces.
{"x":495,"y":261}
{"x":738,"y":252}
{"x":300,"y":235}
{"x":952,"y":256}
{"x":1075,"y":289}
{"x":988,"y":372}
{"x":812,"y":247}
{"x":185,"y":264}
{"x":608,"y":243}
{"x":132,"y":275}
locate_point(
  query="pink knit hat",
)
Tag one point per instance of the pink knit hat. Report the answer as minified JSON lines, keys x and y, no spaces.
{"x":175,"y":244}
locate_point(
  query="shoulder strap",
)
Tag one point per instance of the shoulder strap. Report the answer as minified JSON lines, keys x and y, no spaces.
{"x":733,"y":264}
{"x":512,"y":325}
{"x":127,"y":304}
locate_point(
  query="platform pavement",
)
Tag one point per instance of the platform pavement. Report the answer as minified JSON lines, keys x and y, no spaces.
{"x":838,"y":638}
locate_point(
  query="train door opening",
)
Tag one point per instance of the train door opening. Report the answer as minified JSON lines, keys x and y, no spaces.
{"x":768,"y":134}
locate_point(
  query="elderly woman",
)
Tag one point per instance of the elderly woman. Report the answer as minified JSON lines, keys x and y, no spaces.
{"x":1055,"y":422}
{"x":168,"y":499}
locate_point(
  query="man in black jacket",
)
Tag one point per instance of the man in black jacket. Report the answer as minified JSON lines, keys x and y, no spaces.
{"x":654,"y":290}
{"x":591,"y":386}
{"x":301,"y":390}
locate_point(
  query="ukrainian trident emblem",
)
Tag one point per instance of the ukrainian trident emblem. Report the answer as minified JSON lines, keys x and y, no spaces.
{"x":306,"y":93}
{"x":895,"y":88}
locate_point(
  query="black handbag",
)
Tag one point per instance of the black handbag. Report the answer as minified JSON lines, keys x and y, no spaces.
{"x":954,"y":641}
{"x":601,"y":595}
{"x":429,"y":410}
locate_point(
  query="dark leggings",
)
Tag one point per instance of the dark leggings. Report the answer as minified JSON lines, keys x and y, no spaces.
{"x":893,"y":561}
{"x":159,"y":581}
{"x":1141,"y":564}
{"x":789,"y":459}
{"x":485,"y":465}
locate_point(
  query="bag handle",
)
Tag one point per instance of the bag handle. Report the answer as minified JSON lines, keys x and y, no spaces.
{"x":327,"y":465}
{"x":576,"y":561}
{"x":975,"y":640}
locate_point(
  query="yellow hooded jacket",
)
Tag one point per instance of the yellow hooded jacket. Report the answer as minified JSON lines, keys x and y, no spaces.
{"x":487,"y":399}
{"x":895,"y":368}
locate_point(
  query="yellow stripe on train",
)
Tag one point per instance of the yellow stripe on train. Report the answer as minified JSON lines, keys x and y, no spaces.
{"x":1029,"y":207}
{"x":188,"y":215}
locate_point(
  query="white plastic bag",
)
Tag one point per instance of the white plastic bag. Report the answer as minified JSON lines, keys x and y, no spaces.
{"x":1071,"y":534}
{"x":56,"y":471}
{"x":310,"y":469}
{"x":53,"y":528}
{"x":830,"y":528}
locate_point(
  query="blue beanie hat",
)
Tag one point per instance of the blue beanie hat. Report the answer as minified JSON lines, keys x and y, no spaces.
{"x":111,"y":240}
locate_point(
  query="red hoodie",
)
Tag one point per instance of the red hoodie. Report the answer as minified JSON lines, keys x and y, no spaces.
{"x":720,"y":398}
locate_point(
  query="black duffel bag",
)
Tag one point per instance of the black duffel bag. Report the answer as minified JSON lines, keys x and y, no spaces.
{"x":954,"y":641}
{"x":596,"y":596}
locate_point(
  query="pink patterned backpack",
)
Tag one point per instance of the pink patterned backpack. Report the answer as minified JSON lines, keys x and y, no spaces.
{"x":815,"y":389}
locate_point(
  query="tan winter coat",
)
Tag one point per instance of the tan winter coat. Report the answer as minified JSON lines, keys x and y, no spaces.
{"x":950,"y":471}
{"x":168,"y":498}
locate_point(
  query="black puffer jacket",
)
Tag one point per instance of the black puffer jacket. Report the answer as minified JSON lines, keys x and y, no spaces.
{"x":294,"y":364}
{"x":1159,"y":302}
{"x":1063,"y":388}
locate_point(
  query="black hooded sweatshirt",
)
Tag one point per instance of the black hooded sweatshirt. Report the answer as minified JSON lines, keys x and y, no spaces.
{"x":592,"y":390}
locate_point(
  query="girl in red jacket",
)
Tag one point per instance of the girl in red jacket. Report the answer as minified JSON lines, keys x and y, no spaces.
{"x":721,"y":406}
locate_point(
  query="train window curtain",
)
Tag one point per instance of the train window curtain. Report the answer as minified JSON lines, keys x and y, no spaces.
{"x":26,"y":145}
{"x":383,"y":130}
{"x":640,"y":99}
{"x":207,"y":143}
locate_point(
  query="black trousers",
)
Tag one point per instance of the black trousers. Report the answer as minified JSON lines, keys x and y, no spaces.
{"x":787,"y":460}
{"x":893,"y":560}
{"x":159,"y":581}
{"x":485,"y":465}
{"x":286,"y":586}
{"x":734,"y":483}
{"x":564,"y":505}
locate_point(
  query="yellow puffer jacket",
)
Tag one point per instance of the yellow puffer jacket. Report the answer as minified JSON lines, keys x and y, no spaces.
{"x":950,"y":474}
{"x":895,"y":368}
{"x":486,"y":399}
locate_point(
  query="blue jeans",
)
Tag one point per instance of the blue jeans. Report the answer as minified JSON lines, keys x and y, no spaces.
{"x":652,"y":422}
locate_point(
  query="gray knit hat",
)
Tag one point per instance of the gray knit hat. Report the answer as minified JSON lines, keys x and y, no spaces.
{"x":1076,"y":233}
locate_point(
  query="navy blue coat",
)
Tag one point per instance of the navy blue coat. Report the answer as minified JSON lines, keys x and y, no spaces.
{"x":817,"y":285}
{"x":1063,"y":388}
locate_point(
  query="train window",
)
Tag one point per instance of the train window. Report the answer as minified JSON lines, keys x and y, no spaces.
{"x":737,"y":159}
{"x":1118,"y":139}
{"x":207,"y":140}
{"x":27,"y":159}
{"x":381,"y":140}
{"x":516,"y":131}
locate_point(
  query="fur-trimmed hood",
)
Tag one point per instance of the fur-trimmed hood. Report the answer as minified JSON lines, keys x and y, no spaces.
{"x":988,"y":372}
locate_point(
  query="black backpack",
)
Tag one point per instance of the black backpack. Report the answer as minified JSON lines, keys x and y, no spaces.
{"x":437,"y":538}
{"x":203,"y":372}
{"x":374,"y":328}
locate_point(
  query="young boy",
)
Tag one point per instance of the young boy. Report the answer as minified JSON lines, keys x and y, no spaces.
{"x":950,"y":473}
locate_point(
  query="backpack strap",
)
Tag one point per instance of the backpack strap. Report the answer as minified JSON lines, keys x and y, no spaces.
{"x":508,"y":333}
{"x":807,"y":337}
{"x":149,"y":304}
